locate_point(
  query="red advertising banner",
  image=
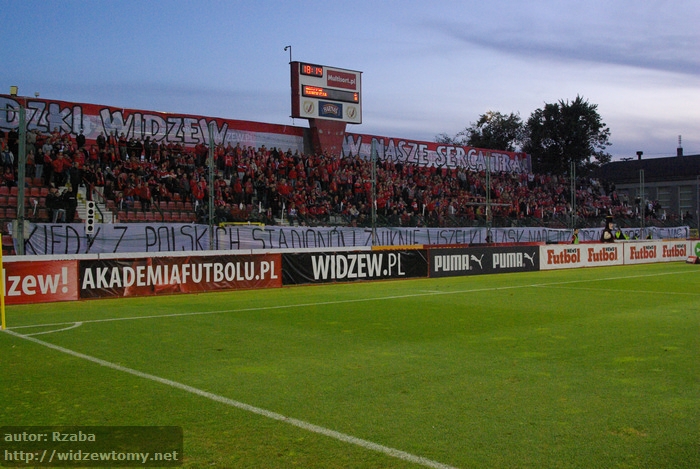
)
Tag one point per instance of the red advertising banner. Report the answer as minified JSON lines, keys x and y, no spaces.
{"x":40,"y":281}
{"x":165,"y":275}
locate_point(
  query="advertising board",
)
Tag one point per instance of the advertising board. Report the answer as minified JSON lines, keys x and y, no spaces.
{"x":326,"y":267}
{"x":451,"y":262}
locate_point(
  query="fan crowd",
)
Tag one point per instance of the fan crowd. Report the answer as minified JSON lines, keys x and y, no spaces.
{"x":263,"y":184}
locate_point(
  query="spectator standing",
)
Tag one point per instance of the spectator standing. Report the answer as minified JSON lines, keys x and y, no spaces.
{"x":123,"y":145}
{"x":80,"y":140}
{"x":8,"y":158}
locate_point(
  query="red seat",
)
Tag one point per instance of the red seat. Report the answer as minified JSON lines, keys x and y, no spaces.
{"x":167,"y":216}
{"x":35,"y":192}
{"x":140,"y":216}
{"x":172,"y":205}
{"x":4,"y":190}
{"x":8,"y":245}
{"x":14,"y":190}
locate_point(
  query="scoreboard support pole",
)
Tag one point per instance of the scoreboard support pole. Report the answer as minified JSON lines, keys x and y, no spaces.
{"x":327,"y":135}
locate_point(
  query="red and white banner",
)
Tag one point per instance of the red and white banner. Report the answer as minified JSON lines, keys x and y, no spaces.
{"x":185,"y":129}
{"x":644,"y":252}
{"x":579,"y":255}
{"x":435,"y":154}
{"x":40,"y":281}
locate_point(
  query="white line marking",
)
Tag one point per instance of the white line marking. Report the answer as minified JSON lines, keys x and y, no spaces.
{"x":611,"y":290}
{"x":247,"y":407}
{"x":353,"y":300}
{"x":76,"y":324}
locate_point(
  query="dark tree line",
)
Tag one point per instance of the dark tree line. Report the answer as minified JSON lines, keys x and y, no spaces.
{"x":555,"y":136}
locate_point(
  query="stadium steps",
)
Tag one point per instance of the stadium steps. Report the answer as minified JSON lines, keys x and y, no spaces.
{"x":104,"y":215}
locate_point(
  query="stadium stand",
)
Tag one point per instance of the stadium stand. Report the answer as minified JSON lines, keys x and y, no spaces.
{"x":272,"y":186}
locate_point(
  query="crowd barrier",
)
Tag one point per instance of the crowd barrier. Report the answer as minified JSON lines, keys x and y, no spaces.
{"x":40,"y":279}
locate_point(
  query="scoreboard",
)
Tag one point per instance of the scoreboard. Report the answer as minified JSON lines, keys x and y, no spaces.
{"x":321,"y":92}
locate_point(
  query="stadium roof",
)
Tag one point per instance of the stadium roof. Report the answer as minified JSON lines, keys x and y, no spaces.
{"x":677,"y":168}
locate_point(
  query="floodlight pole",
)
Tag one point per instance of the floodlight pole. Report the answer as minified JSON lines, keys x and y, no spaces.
{"x":211,"y":186}
{"x":488,"y":197}
{"x":21,"y":166}
{"x":573,"y":194}
{"x":642,"y":204}
{"x":21,"y":163}
{"x":373,"y":157}
{"x":21,"y":174}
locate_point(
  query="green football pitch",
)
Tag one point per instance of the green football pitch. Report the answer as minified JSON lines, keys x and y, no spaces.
{"x":586,"y":368}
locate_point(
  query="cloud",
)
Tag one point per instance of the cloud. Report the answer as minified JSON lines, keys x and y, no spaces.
{"x":660,"y":50}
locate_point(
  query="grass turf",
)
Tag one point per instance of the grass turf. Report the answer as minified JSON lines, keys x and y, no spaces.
{"x":573,"y":369}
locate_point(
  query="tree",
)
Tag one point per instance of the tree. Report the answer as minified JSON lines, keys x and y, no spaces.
{"x":445,"y":139}
{"x":493,"y":131}
{"x":562,"y":133}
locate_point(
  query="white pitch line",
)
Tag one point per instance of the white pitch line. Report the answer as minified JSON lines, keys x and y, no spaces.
{"x":76,"y":324}
{"x":395,"y":453}
{"x":352,"y":300}
{"x":612,"y":290}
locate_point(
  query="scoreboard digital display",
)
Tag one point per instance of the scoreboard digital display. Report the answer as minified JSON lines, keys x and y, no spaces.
{"x":322,"y":92}
{"x":334,"y":95}
{"x":311,"y":70}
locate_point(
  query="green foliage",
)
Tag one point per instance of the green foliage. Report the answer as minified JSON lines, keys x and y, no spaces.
{"x":555,"y":136}
{"x":493,"y":131}
{"x":562,"y":133}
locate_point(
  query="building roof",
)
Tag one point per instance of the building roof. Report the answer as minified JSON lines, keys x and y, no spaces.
{"x":676,"y":168}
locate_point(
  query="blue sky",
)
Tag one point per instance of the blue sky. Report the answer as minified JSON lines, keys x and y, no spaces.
{"x":428,"y":67}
